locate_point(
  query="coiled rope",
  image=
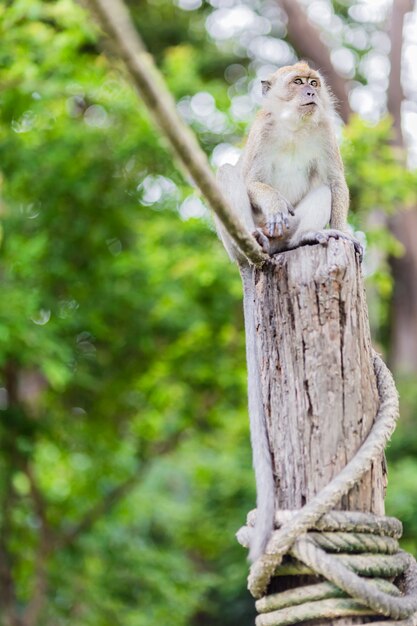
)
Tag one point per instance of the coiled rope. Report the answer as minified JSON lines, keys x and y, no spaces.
{"x":346,"y":548}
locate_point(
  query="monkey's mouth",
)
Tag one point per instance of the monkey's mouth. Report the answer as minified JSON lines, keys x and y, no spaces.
{"x":307,"y":104}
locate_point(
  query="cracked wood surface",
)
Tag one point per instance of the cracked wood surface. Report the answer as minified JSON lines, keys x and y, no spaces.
{"x":318,"y":385}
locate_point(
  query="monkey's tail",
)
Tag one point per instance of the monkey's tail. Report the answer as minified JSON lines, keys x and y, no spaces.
{"x":262,"y":460}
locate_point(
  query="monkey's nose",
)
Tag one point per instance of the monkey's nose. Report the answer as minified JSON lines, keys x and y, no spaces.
{"x":309,"y":92}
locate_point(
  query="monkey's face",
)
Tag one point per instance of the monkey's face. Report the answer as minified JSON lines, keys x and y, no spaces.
{"x":297,"y":91}
{"x":305,"y":92}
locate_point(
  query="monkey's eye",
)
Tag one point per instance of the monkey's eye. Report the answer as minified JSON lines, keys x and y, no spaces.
{"x":298,"y":81}
{"x":313,"y":83}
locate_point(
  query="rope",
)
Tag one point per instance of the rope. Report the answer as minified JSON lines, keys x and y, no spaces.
{"x":344,"y":547}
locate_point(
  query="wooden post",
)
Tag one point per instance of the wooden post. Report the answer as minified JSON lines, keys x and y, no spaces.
{"x":318,"y":386}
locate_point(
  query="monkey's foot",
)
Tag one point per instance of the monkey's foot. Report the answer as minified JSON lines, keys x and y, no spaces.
{"x":262,"y":239}
{"x":322,"y":237}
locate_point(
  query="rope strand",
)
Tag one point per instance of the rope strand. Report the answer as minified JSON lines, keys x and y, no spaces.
{"x":347,"y":548}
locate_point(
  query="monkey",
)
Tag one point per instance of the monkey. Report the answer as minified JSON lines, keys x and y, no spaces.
{"x":289,"y":182}
{"x":288,"y":185}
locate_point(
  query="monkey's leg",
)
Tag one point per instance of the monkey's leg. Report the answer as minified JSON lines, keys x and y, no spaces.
{"x":314,"y":213}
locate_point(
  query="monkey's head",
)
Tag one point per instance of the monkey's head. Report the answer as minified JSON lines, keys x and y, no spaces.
{"x":298,"y":91}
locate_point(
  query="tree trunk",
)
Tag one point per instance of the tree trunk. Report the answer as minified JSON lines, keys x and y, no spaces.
{"x":403,"y":348}
{"x":318,"y":386}
{"x":395,"y":89}
{"x":403,"y":344}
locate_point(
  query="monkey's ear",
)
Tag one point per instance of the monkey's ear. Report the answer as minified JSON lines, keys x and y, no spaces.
{"x":266,"y":86}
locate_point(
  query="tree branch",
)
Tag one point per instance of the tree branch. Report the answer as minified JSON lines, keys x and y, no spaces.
{"x":115,"y":20}
{"x":306,"y":40}
{"x":7,"y":583}
{"x":37,"y":602}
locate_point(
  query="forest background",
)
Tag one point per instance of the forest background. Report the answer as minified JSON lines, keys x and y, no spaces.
{"x":125,"y":464}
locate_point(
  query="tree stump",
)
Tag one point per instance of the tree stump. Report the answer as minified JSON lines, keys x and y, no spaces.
{"x":318,"y":387}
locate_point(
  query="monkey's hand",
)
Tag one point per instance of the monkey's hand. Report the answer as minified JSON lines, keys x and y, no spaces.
{"x":323,"y":236}
{"x":271,"y":210}
{"x":277,"y":222}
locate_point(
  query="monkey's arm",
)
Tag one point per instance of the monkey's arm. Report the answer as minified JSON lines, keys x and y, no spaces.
{"x":339,"y":190}
{"x":269,"y":207}
{"x":340,"y":204}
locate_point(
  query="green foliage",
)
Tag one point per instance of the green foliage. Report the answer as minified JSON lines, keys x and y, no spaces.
{"x":402,"y":465}
{"x":124,"y":457}
{"x":128,"y":321}
{"x":375,"y":169}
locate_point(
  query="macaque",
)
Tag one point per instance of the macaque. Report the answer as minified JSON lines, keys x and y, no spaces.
{"x":288,"y":185}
